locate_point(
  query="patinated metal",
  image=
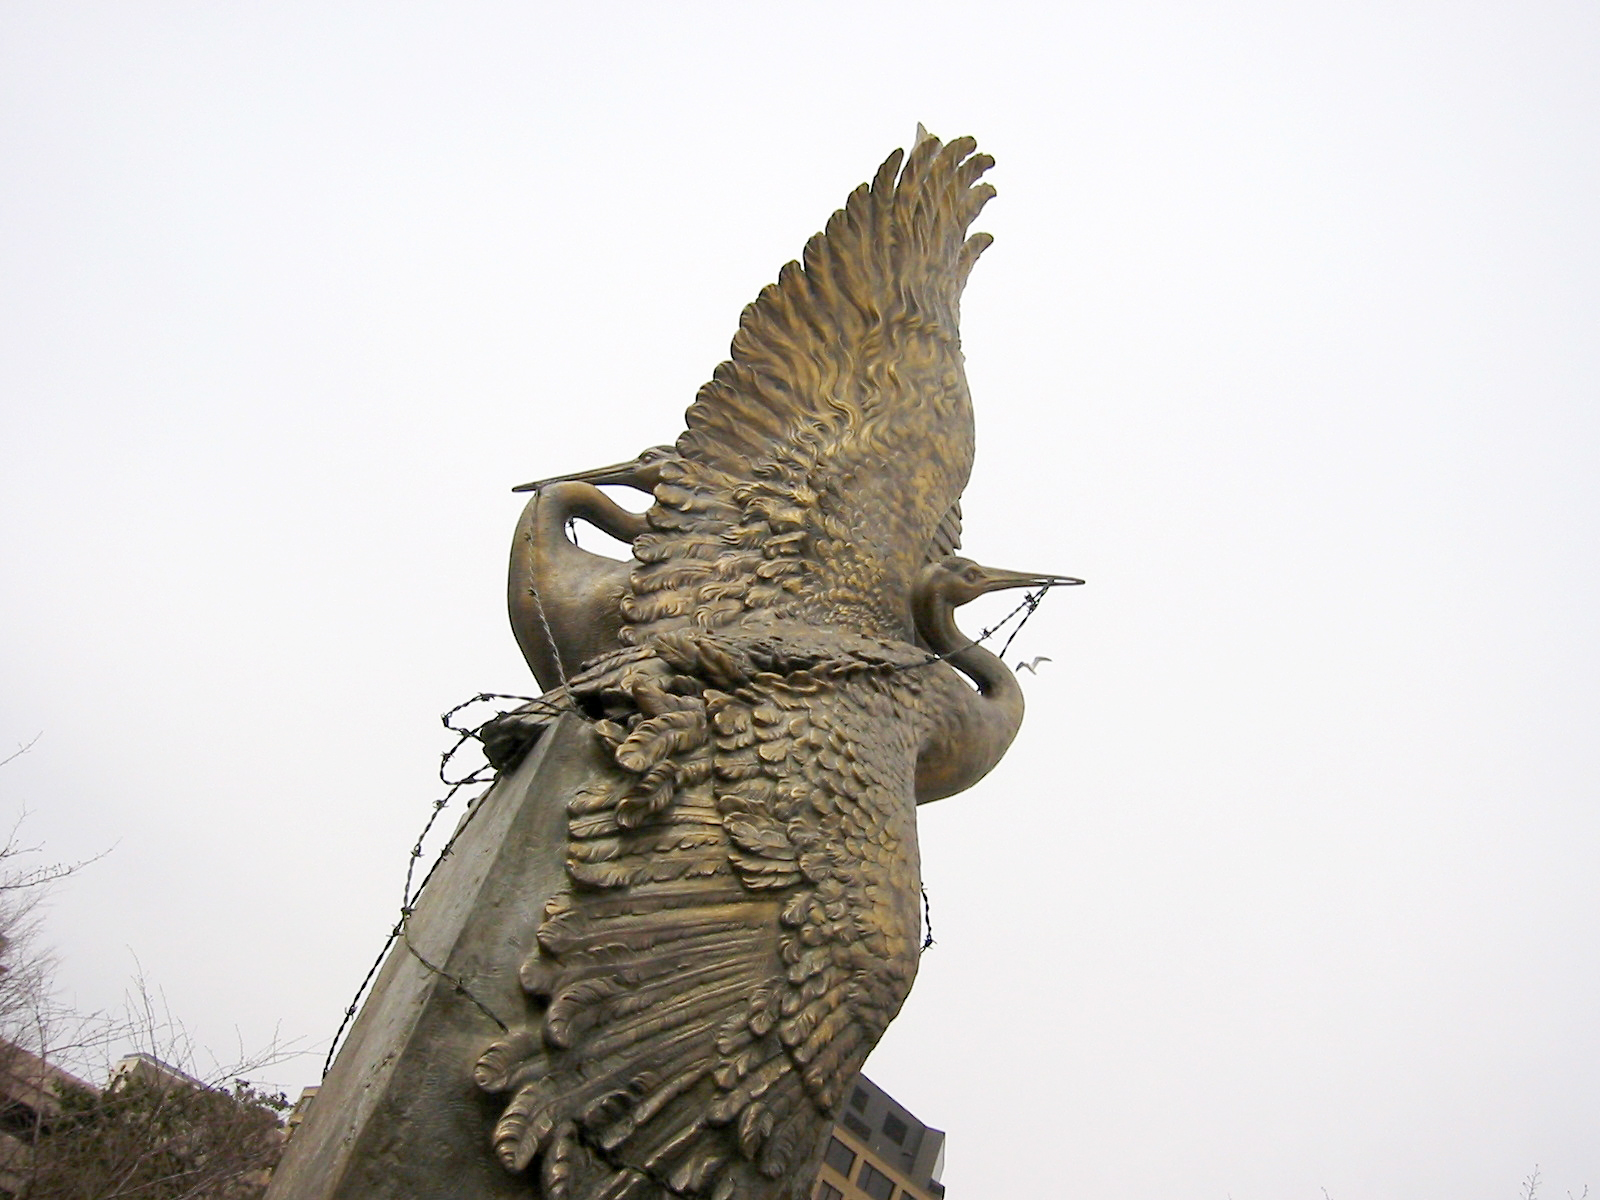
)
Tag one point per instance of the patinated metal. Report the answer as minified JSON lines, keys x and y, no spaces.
{"x":773,"y":683}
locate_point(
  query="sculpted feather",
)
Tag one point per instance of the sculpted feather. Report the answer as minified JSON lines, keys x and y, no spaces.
{"x":742,"y":922}
{"x":822,"y":458}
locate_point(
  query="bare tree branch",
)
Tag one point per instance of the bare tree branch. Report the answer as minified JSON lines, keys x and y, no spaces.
{"x":22,"y":749}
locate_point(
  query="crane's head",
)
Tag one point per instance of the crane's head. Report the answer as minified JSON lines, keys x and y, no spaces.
{"x":955,"y":580}
{"x":643,"y":472}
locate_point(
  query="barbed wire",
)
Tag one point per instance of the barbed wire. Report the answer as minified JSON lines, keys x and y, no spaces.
{"x":487,"y":775}
{"x":1030,"y":603}
{"x":409,"y":896}
{"x":538,"y":603}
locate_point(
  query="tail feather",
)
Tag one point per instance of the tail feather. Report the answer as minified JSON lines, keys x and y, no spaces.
{"x":561,"y":1164}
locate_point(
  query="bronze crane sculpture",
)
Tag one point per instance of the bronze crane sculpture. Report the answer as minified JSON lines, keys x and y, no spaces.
{"x":561,"y":595}
{"x":775,"y":682}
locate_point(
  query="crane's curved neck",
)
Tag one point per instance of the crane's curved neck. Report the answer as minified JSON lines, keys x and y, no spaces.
{"x":585,"y":502}
{"x":974,"y":732}
{"x":936,"y":621}
{"x":565,"y":600}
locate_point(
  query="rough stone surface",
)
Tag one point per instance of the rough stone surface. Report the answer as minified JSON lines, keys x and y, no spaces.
{"x":399,"y":1115}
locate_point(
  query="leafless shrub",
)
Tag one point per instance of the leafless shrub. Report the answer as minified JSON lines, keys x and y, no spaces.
{"x":163,"y":1127}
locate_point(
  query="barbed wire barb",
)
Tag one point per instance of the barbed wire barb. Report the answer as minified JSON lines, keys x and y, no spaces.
{"x":409,"y":895}
{"x":487,"y":775}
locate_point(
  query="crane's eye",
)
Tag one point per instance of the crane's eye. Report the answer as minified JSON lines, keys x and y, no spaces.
{"x":972,"y":575}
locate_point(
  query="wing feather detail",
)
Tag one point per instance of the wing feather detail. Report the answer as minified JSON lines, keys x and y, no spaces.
{"x":822,"y":459}
{"x":727,"y":958}
{"x":742,"y":921}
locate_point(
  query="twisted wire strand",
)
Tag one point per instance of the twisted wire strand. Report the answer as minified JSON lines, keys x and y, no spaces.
{"x":486,"y":775}
{"x":538,"y":608}
{"x":409,"y":897}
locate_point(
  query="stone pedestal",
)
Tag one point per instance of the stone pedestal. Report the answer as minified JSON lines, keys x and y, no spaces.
{"x":398,"y":1115}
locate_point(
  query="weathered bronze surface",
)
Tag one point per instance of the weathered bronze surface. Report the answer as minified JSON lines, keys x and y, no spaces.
{"x":667,"y":938}
{"x":775,"y":681}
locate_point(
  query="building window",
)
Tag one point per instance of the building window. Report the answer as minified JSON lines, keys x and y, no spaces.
{"x":826,"y":1191}
{"x":895,"y":1128}
{"x":874,"y":1182}
{"x":856,"y":1126}
{"x":19,"y":1120}
{"x":858,"y":1100}
{"x":839,"y":1156}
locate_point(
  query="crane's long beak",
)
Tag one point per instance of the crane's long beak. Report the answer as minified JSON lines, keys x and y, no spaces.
{"x":996,"y":580}
{"x":623,"y":473}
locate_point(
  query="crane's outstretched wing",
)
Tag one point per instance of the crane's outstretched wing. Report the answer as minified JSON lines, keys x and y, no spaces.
{"x":825,"y":456}
{"x":726,"y":960}
{"x":743,"y":918}
{"x":947,"y":538}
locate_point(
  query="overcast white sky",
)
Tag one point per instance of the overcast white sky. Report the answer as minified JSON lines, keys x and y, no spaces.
{"x":1288,"y":343}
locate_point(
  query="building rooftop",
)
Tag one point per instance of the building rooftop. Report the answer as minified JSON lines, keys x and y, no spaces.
{"x":880,"y":1151}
